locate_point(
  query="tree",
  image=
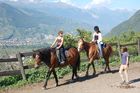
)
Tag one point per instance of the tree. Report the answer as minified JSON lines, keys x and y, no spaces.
{"x":86,"y":35}
{"x":70,"y":40}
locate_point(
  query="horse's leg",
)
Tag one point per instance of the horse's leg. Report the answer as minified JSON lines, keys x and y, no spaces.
{"x":88,"y":69}
{"x":107,"y":62}
{"x":73,"y":72}
{"x":55,"y":76}
{"x":93,"y":68}
{"x":76,"y":74}
{"x":90,"y":62}
{"x":47,"y":78}
{"x":105,"y":65}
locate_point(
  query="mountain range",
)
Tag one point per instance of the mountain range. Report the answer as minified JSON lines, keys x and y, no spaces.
{"x":38,"y":19}
{"x":132,"y":24}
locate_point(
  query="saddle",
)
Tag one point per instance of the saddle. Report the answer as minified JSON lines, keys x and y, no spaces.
{"x":103,"y":45}
{"x":66,"y":55}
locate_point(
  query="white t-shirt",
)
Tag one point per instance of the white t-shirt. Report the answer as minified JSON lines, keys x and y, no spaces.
{"x":97,"y":36}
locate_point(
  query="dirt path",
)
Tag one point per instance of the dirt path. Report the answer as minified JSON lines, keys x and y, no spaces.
{"x":103,"y":83}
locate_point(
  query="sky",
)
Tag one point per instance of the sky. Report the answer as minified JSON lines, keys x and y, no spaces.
{"x":87,"y":4}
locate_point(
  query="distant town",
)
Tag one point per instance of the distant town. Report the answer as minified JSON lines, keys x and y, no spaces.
{"x":28,"y":41}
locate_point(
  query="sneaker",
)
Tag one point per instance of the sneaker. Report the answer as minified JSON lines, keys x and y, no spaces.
{"x":62,"y":62}
{"x":127,"y":83}
{"x":123,"y":82}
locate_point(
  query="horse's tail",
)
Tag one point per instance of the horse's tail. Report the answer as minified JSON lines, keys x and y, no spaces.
{"x":110,"y":50}
{"x":78,"y":62}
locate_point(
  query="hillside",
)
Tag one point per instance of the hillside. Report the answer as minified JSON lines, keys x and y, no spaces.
{"x":132,"y":24}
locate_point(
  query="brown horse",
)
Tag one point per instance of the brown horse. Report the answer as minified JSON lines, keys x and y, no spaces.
{"x":49,"y":57}
{"x":92,"y":53}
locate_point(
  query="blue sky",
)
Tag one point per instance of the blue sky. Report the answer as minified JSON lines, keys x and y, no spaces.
{"x":112,"y":4}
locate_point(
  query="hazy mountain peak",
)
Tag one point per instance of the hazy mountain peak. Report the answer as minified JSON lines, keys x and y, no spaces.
{"x":132,"y":24}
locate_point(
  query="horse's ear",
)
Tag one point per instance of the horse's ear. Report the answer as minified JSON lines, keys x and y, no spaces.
{"x":37,"y":56}
{"x":76,"y":40}
{"x":33,"y":50}
{"x":33,"y":55}
{"x":81,"y":39}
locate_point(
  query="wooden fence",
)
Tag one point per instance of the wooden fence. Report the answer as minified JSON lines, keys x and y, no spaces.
{"x":22,"y":67}
{"x":118,"y":47}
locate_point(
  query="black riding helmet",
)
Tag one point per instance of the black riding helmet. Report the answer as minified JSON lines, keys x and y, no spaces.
{"x":96,"y":28}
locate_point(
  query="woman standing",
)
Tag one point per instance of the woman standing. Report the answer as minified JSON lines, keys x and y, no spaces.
{"x":124,"y":66}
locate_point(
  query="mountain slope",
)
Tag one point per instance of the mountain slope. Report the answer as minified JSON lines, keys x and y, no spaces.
{"x":28,"y":22}
{"x":108,"y":18}
{"x":14,"y":16}
{"x":132,"y":24}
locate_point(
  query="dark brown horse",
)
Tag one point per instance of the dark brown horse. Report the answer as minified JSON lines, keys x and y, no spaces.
{"x":92,"y":53}
{"x":49,"y":57}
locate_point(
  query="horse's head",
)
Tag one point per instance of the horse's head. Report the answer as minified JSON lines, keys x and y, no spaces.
{"x":37,"y":58}
{"x":42,"y":55}
{"x":80,"y":44}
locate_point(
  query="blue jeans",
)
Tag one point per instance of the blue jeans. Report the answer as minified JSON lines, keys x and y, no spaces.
{"x":61,"y":56}
{"x":100,"y":49}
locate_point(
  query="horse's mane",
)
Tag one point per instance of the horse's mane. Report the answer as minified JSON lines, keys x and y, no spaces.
{"x":42,"y":50}
{"x":89,"y":43}
{"x":45,"y":54}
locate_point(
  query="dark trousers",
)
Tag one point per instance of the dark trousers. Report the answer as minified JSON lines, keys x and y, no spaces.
{"x":62,"y":56}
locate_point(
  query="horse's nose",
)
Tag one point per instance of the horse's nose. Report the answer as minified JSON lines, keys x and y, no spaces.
{"x":78,"y":49}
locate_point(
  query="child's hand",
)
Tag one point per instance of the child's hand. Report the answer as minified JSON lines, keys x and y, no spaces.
{"x":57,"y":47}
{"x":128,"y":64}
{"x":51,"y":46}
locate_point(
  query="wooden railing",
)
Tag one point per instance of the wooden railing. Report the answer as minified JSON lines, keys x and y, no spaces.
{"x":22,"y":67}
{"x":118,"y":46}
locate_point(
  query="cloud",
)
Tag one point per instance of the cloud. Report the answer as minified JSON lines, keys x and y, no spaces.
{"x":65,"y":1}
{"x":31,"y":1}
{"x":13,"y":0}
{"x":97,"y":3}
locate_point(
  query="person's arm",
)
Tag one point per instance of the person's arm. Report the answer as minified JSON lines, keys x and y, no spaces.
{"x":93,"y":38}
{"x":54,"y":43}
{"x":100,"y":37}
{"x":62,"y":40}
{"x":127,"y":60}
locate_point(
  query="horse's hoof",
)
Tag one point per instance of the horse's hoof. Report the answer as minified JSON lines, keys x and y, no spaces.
{"x":44,"y":88}
{"x":94,"y":74}
{"x":77,"y":77}
{"x":105,"y":71}
{"x":71,"y":81}
{"x":110,"y":71}
{"x":56,"y":85}
{"x":86,"y":75}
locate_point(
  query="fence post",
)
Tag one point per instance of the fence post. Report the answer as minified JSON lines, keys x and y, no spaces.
{"x":139,"y":46}
{"x":119,"y":50}
{"x":21,"y":66}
